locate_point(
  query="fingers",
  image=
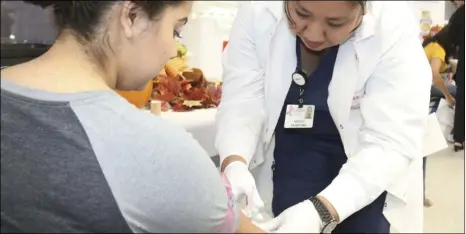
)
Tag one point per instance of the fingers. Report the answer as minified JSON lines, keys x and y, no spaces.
{"x":269,"y":226}
{"x":254,"y":204}
{"x":253,"y":214}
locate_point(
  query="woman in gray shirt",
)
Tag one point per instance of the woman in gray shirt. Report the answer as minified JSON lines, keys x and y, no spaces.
{"x":76,"y":157}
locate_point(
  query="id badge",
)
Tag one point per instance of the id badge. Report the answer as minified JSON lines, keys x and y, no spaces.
{"x":299,"y":117}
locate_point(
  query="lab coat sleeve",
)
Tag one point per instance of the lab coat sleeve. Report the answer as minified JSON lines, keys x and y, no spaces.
{"x":394,"y":112}
{"x":240,"y":115}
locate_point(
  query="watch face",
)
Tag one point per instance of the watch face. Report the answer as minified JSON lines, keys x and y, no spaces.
{"x":330,"y":227}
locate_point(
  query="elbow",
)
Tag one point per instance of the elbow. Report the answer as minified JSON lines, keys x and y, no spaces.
{"x":240,"y":110}
{"x":238,"y":132}
{"x":384,"y":158}
{"x":436,"y":80}
{"x":378,"y":166}
{"x":219,"y":213}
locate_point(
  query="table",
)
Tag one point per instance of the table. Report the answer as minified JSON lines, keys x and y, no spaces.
{"x":200,"y":123}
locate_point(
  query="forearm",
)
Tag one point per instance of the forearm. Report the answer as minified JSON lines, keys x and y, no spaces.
{"x":246,"y":226}
{"x":344,"y":200}
{"x":230,"y":159}
{"x":440,"y":84}
{"x":238,"y":134}
{"x":359,"y":184}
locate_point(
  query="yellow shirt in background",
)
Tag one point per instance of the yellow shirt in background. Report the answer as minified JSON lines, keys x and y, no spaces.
{"x":435,"y":50}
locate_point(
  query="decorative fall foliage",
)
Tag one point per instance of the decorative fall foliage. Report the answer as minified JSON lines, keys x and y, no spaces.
{"x":186,"y":90}
{"x":181,"y":88}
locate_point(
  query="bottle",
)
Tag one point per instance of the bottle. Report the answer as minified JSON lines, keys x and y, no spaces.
{"x":425,"y":23}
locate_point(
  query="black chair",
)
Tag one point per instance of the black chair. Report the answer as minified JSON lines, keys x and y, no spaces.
{"x":12,"y":54}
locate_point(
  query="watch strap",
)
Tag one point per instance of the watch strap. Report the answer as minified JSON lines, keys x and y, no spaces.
{"x":325,"y":216}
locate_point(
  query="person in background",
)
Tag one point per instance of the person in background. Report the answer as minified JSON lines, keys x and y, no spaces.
{"x":356,"y":166}
{"x":457,"y":26}
{"x":77,"y":158}
{"x":458,"y":4}
{"x":439,"y":48}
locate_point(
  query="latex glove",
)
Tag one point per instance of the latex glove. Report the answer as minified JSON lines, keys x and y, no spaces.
{"x":300,"y":218}
{"x":243,"y":185}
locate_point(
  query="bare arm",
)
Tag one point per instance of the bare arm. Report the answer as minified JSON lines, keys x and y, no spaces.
{"x":246,"y":226}
{"x":437,"y":80}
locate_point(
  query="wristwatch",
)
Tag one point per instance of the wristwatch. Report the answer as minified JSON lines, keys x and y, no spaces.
{"x":328,"y":221}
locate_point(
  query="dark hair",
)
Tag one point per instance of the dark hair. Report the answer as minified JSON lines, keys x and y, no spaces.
{"x":444,"y":39}
{"x":83,"y":17}
{"x":359,"y":3}
{"x":457,"y":27}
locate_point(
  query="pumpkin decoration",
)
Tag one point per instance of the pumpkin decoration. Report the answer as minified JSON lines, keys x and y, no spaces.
{"x":138,"y":98}
{"x":173,"y":68}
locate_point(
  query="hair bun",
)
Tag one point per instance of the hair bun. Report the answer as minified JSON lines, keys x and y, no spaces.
{"x":44,"y":4}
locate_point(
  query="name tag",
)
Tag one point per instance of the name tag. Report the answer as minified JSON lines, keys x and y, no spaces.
{"x":299,"y":117}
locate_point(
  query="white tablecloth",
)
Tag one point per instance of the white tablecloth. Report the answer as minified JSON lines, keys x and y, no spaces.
{"x":200,"y":123}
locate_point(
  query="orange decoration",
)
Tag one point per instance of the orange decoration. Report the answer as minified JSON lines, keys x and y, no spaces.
{"x":138,"y":98}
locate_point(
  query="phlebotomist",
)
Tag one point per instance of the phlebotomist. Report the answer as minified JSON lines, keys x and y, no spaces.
{"x":318,"y":103}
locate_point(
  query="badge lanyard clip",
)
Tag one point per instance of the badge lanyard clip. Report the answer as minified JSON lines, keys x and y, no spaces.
{"x":299,"y":76}
{"x":301,"y":98}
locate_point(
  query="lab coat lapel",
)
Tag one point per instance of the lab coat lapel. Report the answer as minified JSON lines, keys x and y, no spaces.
{"x":343,"y":84}
{"x":281,"y":66}
{"x":346,"y":72}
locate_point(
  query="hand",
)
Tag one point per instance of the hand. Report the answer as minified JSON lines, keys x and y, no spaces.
{"x":243,"y":184}
{"x":300,"y":218}
{"x":451,"y":100}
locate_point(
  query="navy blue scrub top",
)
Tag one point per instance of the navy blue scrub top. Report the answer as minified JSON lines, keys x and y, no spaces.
{"x":308,"y":159}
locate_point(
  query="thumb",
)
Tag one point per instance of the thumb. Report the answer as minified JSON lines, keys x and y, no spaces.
{"x":270,"y":225}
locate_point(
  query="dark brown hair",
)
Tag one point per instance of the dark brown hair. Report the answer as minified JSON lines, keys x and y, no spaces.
{"x":457,"y":27}
{"x":451,"y":36}
{"x":444,"y":40}
{"x":360,"y":3}
{"x":84,"y":17}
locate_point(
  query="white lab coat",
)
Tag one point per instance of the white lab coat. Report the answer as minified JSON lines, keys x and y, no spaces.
{"x":378,"y":99}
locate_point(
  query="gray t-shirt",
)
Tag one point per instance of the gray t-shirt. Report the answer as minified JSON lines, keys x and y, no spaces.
{"x":92,"y":162}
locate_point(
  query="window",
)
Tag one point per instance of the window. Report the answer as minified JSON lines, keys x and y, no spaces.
{"x":23,"y":23}
{"x":449,"y":10}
